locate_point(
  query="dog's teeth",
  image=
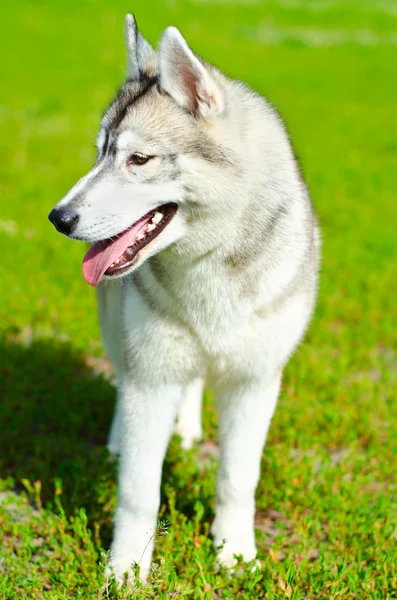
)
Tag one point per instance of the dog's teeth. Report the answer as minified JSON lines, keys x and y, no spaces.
{"x":140,"y":237}
{"x":116,"y":262}
{"x":157,"y":217}
{"x":150,"y":227}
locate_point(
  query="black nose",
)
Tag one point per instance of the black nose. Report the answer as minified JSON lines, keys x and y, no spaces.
{"x":63,"y":219}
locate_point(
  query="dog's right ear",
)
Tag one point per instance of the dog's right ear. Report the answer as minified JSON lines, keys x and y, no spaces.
{"x":142,"y":59}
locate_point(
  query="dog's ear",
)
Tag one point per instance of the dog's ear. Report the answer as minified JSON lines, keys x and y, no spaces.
{"x":185,"y":78}
{"x":142,"y":59}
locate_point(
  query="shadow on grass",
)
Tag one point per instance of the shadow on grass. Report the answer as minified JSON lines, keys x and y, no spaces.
{"x":55,"y":413}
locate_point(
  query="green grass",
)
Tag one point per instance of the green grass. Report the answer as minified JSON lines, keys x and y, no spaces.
{"x":326,"y":503}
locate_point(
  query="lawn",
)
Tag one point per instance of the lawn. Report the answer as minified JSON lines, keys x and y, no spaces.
{"x":326,"y":503}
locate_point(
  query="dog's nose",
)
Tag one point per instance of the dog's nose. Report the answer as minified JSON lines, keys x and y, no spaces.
{"x":63,"y":219}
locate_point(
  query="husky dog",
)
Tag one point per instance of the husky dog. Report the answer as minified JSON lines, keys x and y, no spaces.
{"x":205,"y":256}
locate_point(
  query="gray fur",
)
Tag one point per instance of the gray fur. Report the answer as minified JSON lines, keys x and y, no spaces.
{"x":225,"y":291}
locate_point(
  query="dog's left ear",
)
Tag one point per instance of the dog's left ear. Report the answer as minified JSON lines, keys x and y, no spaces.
{"x":142,"y":59}
{"x":185,"y":78}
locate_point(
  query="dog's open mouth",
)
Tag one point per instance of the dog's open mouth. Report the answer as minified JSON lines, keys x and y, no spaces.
{"x":117,"y":255}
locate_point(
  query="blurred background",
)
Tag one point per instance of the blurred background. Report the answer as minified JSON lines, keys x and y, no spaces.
{"x":326,"y":502}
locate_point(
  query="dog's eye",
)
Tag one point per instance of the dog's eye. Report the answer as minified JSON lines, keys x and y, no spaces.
{"x":138,"y":159}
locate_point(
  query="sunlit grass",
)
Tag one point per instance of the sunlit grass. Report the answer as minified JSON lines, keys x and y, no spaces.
{"x":327,"y":505}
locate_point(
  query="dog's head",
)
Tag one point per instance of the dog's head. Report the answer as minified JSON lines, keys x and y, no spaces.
{"x":156,"y":147}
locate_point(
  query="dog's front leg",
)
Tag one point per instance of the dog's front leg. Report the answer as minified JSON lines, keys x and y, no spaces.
{"x":189,"y":417}
{"x":114,"y":440}
{"x":109,"y":311}
{"x":148,"y":416}
{"x":244,"y":414}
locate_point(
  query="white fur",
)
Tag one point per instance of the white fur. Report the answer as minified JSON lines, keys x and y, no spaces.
{"x":80,"y":186}
{"x":146,"y":426}
{"x":209,"y":305}
{"x":128,"y":138}
{"x":111,"y":206}
{"x":177,"y":63}
{"x":109,"y":302}
{"x":100,"y":139}
{"x":244,"y":418}
{"x":189,"y":416}
{"x":243,"y":363}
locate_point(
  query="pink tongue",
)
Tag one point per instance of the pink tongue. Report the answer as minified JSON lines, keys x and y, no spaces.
{"x":102,"y":254}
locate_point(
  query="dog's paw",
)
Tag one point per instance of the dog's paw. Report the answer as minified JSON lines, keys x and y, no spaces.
{"x":131,"y":551}
{"x":233,"y":534}
{"x":230,"y":549}
{"x":188,"y":442}
{"x":190,"y":434}
{"x":126,"y":573}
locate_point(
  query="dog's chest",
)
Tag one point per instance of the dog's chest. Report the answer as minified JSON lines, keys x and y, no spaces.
{"x":205,"y":298}
{"x":196,"y":318}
